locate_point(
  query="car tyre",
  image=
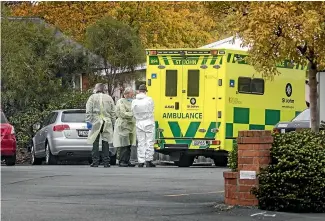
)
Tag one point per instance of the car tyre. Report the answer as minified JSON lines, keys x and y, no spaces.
{"x":33,"y":159}
{"x":11,"y":161}
{"x":50,"y":159}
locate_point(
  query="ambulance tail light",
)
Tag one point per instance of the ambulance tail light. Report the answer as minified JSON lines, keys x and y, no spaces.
{"x":214,"y":52}
{"x":216,"y":142}
{"x":153,"y":52}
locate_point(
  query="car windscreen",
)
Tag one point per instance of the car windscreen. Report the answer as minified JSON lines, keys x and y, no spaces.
{"x":3,"y":118}
{"x":73,"y":116}
{"x":303,"y":116}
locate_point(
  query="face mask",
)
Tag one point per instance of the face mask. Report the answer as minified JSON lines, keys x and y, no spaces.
{"x":130,"y":99}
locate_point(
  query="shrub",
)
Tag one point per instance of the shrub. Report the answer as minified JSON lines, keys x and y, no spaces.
{"x":233,"y":158}
{"x":295,"y":180}
{"x":23,"y":121}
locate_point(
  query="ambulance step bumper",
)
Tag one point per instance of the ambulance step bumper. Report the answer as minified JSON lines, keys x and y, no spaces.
{"x":176,"y":146}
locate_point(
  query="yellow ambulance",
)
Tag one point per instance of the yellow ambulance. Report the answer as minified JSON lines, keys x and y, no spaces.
{"x":203,"y":97}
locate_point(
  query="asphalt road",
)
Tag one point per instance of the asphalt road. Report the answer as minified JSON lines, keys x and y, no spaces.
{"x":81,"y":193}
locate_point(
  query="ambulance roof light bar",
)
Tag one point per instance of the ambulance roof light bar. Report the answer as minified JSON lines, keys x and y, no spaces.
{"x":153,"y":53}
{"x":214,"y":52}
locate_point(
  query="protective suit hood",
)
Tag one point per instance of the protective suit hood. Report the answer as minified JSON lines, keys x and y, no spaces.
{"x":141,"y":96}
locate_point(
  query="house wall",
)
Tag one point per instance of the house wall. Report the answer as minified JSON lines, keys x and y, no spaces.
{"x":118,"y":91}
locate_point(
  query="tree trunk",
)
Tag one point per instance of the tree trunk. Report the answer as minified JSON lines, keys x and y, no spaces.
{"x":313,"y":98}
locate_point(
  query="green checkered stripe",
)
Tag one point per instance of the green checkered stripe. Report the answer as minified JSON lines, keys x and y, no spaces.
{"x":190,"y":132}
{"x":242,"y":116}
{"x":233,"y":58}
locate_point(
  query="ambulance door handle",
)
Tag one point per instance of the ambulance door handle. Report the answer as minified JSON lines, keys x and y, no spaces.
{"x":176,"y":105}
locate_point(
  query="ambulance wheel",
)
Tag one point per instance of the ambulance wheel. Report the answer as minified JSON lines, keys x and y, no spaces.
{"x":220,"y":161}
{"x":185,"y":161}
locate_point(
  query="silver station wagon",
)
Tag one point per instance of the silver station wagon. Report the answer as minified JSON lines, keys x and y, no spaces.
{"x":63,"y":136}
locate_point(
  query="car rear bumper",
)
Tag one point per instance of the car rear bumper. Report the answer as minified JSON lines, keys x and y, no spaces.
{"x":8,"y":147}
{"x":73,"y":147}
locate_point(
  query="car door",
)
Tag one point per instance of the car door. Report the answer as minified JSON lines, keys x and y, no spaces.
{"x":42,"y":133}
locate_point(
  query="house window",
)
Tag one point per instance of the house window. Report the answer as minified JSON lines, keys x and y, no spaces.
{"x":193,"y":83}
{"x":251,"y":86}
{"x":171,"y":83}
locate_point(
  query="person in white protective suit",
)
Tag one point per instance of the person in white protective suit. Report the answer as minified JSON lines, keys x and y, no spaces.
{"x":100,"y":118}
{"x":143,"y":111}
{"x":125,"y":130}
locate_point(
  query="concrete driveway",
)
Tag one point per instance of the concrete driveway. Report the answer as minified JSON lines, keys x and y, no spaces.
{"x":37,"y":193}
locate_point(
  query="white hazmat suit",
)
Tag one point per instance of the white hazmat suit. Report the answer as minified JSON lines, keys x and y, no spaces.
{"x":143,"y":111}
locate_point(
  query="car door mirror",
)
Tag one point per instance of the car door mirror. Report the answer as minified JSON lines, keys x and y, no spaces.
{"x":36,"y":127}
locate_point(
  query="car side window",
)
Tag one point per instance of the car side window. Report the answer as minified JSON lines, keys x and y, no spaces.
{"x":53,"y":118}
{"x":47,"y":119}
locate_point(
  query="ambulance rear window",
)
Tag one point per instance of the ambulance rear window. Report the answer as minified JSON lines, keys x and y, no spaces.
{"x":171,"y":83}
{"x":193,"y":83}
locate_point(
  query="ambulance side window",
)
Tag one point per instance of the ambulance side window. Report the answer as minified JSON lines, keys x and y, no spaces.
{"x":193,"y":83}
{"x":251,"y":86}
{"x":257,"y":86}
{"x":244,"y":85}
{"x":171,"y":83}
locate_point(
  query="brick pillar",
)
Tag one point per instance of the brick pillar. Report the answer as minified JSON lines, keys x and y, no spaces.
{"x":253,"y":154}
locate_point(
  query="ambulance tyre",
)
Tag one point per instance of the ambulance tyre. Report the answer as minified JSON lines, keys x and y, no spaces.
{"x":220,"y":161}
{"x":184,"y":161}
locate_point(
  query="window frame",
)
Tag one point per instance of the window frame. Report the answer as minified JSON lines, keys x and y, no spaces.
{"x":166,"y":83}
{"x":250,"y":86}
{"x":198,"y":94}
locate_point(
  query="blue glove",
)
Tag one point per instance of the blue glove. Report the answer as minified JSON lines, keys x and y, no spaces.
{"x":89,"y":125}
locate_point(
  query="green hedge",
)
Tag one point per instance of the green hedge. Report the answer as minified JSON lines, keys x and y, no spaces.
{"x":295,"y":180}
{"x":23,"y":121}
{"x":233,"y":158}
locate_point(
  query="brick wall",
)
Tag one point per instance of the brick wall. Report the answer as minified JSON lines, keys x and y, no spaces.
{"x":253,"y":154}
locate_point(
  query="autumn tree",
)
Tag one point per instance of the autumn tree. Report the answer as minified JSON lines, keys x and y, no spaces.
{"x":118,"y":47}
{"x":279,"y":31}
{"x":158,"y":24}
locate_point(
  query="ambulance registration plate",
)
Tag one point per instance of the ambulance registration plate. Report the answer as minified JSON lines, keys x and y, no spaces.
{"x":199,"y":143}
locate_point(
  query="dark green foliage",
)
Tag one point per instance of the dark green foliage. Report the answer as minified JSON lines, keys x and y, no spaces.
{"x":35,"y":62}
{"x":295,"y":181}
{"x":233,"y":158}
{"x":23,"y":121}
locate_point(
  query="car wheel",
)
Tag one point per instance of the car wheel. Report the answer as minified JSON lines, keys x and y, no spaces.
{"x":50,"y":159}
{"x":33,"y":159}
{"x":11,"y":161}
